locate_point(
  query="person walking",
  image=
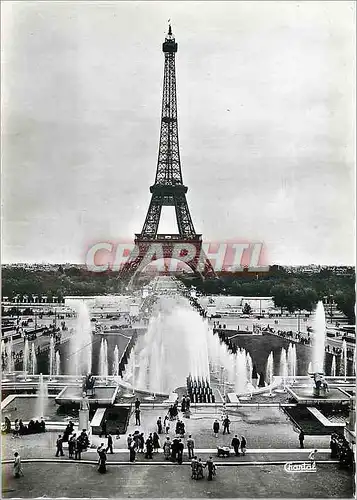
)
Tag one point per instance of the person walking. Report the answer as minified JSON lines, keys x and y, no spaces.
{"x":110,"y":444}
{"x":211,"y":468}
{"x":180,"y":449}
{"x":71,"y":446}
{"x":243,"y":445}
{"x":137,"y":416}
{"x":301,"y":438}
{"x":17,"y":465}
{"x":149,"y":448}
{"x":167,"y":448}
{"x":102,"y":461}
{"x":137,"y":404}
{"x":141,"y":443}
{"x":226,"y":423}
{"x":159,"y":425}
{"x":77,"y":449}
{"x":132,"y":452}
{"x":155,"y":442}
{"x":59,"y":446}
{"x":216,"y":428}
{"x":190,"y":446}
{"x":129,"y":440}
{"x":235,"y":443}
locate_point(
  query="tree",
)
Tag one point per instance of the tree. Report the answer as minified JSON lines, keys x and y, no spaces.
{"x":345,"y":301}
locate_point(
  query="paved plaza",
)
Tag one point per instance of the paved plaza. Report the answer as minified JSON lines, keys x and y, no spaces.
{"x":272,"y":441}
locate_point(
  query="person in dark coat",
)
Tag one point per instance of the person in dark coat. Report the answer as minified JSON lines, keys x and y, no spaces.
{"x":110,"y":444}
{"x":137,"y":404}
{"x":102,"y":461}
{"x":226,"y":423}
{"x":78,"y":449}
{"x":141,"y":443}
{"x":180,"y":448}
{"x":235,"y":443}
{"x":301,"y":439}
{"x":71,"y":446}
{"x":159,"y":425}
{"x":137,"y":416}
{"x":174,"y":449}
{"x":155,"y":442}
{"x":210,"y":468}
{"x":149,"y":448}
{"x":59,"y":446}
{"x":216,"y":428}
{"x":183,"y":405}
{"x":132,"y":452}
{"x":243,"y":445}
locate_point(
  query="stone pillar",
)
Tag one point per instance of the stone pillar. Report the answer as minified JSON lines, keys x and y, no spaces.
{"x":83,"y":421}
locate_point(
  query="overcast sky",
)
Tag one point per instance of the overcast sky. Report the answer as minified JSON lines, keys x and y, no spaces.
{"x":266,"y":122}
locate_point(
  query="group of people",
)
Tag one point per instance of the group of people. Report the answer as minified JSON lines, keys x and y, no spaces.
{"x":20,"y":429}
{"x":340,"y":449}
{"x":137,"y":443}
{"x":197,"y":467}
{"x":76,"y":444}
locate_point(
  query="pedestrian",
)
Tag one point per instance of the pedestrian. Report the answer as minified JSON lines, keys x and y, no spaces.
{"x":190,"y":446}
{"x":141,"y":443}
{"x":149,"y":448}
{"x":216,"y":428}
{"x":159,"y":426}
{"x":194,"y":463}
{"x":132,"y":452}
{"x":17,"y":465}
{"x":102,"y":461}
{"x":180,"y":449}
{"x":235,"y":443}
{"x":110,"y":444}
{"x":77,"y":449}
{"x":226,"y":423}
{"x":155,"y":442}
{"x":243,"y":445}
{"x":59,"y":446}
{"x":312,"y":456}
{"x":129,"y":440}
{"x":137,"y":416}
{"x":137,"y":404}
{"x":167,"y":448}
{"x":211,"y":468}
{"x":174,"y":449}
{"x":99,"y":449}
{"x":71,"y":446}
{"x":333,"y":447}
{"x":199,"y":469}
{"x":103,"y":429}
{"x":301,"y":438}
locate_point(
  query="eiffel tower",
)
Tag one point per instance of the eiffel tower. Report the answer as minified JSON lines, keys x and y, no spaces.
{"x":168,"y":190}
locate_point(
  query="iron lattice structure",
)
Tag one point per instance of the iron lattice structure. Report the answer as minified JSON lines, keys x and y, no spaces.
{"x":168,"y":189}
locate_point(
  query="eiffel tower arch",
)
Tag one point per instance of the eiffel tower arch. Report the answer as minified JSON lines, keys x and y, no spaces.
{"x":168,"y":190}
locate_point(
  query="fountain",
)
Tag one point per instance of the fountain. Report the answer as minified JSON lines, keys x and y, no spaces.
{"x":33,"y":360}
{"x":291,"y":360}
{"x":318,"y":340}
{"x":58,"y":363}
{"x":42,"y":399}
{"x":116,"y":362}
{"x":241,"y":380}
{"x":51,"y":356}
{"x":174,"y":345}
{"x":26,"y":359}
{"x":80,"y":361}
{"x":270,"y":371}
{"x":103,"y":360}
{"x":333,"y":366}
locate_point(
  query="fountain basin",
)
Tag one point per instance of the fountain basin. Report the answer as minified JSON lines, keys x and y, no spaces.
{"x":72,"y":396}
{"x":305,"y":395}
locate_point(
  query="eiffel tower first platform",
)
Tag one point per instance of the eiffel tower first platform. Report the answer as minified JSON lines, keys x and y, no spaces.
{"x":168,"y":190}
